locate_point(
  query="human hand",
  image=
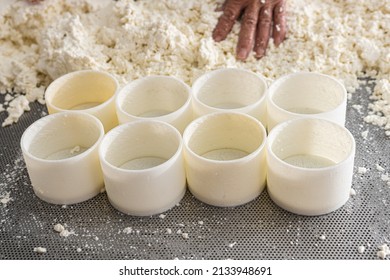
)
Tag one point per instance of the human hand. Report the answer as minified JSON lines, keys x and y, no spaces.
{"x":258,"y":17}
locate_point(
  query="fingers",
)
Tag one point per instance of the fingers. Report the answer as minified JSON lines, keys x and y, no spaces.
{"x":231,"y":11}
{"x":259,"y":18}
{"x":248,"y":30}
{"x":280,"y":28}
{"x":263,"y":31}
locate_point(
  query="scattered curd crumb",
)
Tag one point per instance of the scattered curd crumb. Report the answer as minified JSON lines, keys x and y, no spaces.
{"x":200,"y":222}
{"x":127,"y":230}
{"x":231,"y":245}
{"x":362,"y":170}
{"x":179,"y":231}
{"x":358,"y":108}
{"x":76,"y":149}
{"x":5,"y":198}
{"x":385,"y":177}
{"x":79,"y":250}
{"x":381,"y":254}
{"x":379,"y":168}
{"x":162,"y":216}
{"x":185,"y":235}
{"x":352,"y":192}
{"x":365,"y":134}
{"x":62,"y":231}
{"x":322,"y":237}
{"x":16,"y":108}
{"x":384,"y":250}
{"x":40,"y":250}
{"x":66,"y":233}
{"x":361,"y":249}
{"x":384,"y":247}
{"x":59,"y":228}
{"x":169,"y":231}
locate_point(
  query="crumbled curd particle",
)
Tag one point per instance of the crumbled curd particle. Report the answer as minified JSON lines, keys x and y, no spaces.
{"x":15,"y":109}
{"x":127,"y":230}
{"x":40,"y":250}
{"x":362,"y":170}
{"x":384,"y":250}
{"x":5,"y":198}
{"x":358,"y":108}
{"x":379,"y":168}
{"x":74,"y":150}
{"x":58,"y":228}
{"x":185,"y":235}
{"x":66,"y":233}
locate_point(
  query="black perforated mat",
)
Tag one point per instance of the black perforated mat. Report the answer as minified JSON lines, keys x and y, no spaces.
{"x":257,"y":230}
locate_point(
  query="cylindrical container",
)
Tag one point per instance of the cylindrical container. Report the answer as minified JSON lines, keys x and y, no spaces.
{"x":230,"y":89}
{"x":161,"y":98}
{"x":88,"y":91}
{"x":225,"y":158}
{"x":61,"y":155}
{"x":306,"y":94}
{"x":143,"y":167}
{"x":310,"y":165}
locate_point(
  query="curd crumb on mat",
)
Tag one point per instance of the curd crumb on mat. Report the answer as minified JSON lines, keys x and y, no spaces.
{"x":384,"y":250}
{"x":362,"y":170}
{"x":40,"y":250}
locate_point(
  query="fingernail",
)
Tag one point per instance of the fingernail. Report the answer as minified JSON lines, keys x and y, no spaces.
{"x":217,"y":38}
{"x":241,"y":54}
{"x":259,"y":53}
